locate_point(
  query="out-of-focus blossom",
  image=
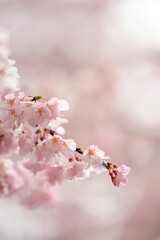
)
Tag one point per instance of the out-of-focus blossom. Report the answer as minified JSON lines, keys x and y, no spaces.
{"x":8,"y":73}
{"x":41,"y":196}
{"x":8,"y":140}
{"x":13,"y":177}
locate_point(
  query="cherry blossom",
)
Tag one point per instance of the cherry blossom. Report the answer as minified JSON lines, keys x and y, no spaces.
{"x":118,"y":174}
{"x":34,"y":157}
{"x":76,"y":170}
{"x":94,"y":156}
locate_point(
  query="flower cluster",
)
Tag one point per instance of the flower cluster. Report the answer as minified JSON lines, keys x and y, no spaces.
{"x":34,"y":157}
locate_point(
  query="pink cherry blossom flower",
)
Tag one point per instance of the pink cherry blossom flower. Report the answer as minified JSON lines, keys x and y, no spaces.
{"x":75,"y":170}
{"x":94,"y":157}
{"x":57,"y":145}
{"x":52,"y":105}
{"x":36,"y":114}
{"x":11,"y":111}
{"x":118,"y":174}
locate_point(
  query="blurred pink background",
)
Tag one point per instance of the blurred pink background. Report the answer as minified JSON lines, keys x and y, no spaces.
{"x":102,"y":56}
